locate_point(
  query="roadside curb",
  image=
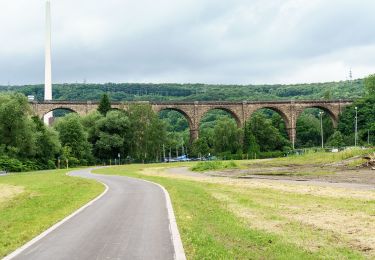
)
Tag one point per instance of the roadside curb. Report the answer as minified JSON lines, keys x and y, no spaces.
{"x":58,"y":224}
{"x":179,"y":252}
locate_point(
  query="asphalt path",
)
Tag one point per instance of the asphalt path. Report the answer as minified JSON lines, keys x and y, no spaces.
{"x":129,"y":222}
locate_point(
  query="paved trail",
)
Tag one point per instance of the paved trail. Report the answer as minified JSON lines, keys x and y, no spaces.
{"x":129,"y":222}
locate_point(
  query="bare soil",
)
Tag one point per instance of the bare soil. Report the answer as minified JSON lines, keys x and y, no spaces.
{"x":8,"y":192}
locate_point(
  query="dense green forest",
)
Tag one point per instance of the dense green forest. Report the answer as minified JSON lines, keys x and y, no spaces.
{"x":140,"y":135}
{"x":196,"y":92}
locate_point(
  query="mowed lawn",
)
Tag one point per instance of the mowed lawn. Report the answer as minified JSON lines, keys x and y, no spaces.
{"x":223,"y":218}
{"x":32,"y":202}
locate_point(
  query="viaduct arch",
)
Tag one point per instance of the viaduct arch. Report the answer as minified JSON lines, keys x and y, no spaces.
{"x":194,"y":111}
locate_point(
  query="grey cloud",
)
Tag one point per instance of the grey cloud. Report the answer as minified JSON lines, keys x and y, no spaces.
{"x":209,"y":41}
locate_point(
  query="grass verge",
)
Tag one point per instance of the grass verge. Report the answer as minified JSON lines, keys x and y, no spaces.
{"x":45,"y":198}
{"x":316,"y":157}
{"x":230,"y":221}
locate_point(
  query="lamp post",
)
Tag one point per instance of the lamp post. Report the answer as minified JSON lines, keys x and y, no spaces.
{"x":356,"y":127}
{"x":321,"y":127}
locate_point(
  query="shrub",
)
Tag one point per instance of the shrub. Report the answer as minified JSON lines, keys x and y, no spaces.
{"x":214,"y":165}
{"x":11,"y":165}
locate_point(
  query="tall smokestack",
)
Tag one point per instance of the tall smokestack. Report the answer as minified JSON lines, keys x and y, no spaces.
{"x":48,"y":62}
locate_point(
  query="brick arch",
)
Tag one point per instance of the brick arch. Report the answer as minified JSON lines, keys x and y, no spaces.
{"x":334,"y":115}
{"x":56,"y":108}
{"x":230,"y":111}
{"x":284,"y":111}
{"x":186,"y":116}
{"x":279,"y":111}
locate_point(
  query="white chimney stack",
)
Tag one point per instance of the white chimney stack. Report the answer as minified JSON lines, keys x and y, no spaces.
{"x":48,"y":62}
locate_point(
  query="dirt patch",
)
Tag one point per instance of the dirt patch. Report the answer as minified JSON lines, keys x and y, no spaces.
{"x":8,"y":192}
{"x":337,"y":190}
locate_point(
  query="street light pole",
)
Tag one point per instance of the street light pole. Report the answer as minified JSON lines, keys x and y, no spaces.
{"x":356,"y":127}
{"x":321,"y":128}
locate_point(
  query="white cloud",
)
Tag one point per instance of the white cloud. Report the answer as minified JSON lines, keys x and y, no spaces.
{"x":209,"y":41}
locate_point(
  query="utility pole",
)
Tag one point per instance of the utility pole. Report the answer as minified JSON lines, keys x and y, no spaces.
{"x":356,"y":127}
{"x":321,"y":127}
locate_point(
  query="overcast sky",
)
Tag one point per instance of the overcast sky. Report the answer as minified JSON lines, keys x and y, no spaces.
{"x":205,"y":41}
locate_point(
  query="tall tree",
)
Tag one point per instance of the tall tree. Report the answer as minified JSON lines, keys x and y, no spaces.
{"x":112,"y":131}
{"x":104,"y":105}
{"x":48,"y":144}
{"x":17,"y":131}
{"x":147,"y":133}
{"x":370,"y":84}
{"x":227,"y":136}
{"x":73,"y":135}
{"x":251,"y":147}
{"x":267,"y":136}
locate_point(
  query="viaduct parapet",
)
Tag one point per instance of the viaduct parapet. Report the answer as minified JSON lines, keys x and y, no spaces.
{"x":194,"y":111}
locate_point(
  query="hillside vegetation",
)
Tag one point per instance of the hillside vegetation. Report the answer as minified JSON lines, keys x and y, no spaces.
{"x":197,"y":92}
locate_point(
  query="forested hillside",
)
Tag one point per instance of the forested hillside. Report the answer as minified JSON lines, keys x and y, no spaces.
{"x":197,"y":92}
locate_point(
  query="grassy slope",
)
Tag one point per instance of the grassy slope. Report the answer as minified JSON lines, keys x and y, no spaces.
{"x":307,"y":164}
{"x":219,"y":221}
{"x":319,"y":157}
{"x":49,"y":196}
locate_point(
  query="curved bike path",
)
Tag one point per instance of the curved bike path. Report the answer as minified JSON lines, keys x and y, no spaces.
{"x":130,"y":221}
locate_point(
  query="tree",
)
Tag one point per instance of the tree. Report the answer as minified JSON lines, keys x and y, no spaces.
{"x":266,"y":135}
{"x":111,"y":132}
{"x":147,"y":133}
{"x":200,"y":147}
{"x":366,"y":119}
{"x":336,"y":140}
{"x":104,"y":105}
{"x":47,"y":143}
{"x":369,"y":83}
{"x":17,"y":130}
{"x":251,"y":147}
{"x":73,"y":135}
{"x":227,"y":137}
{"x":89,"y":122}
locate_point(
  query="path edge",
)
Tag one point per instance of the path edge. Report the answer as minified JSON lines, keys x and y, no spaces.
{"x":58,"y":224}
{"x":179,"y":252}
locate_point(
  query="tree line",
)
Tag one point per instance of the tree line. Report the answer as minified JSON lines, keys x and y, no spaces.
{"x":195,"y":92}
{"x":140,"y":135}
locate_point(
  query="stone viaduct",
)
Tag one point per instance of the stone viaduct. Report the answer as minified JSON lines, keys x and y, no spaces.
{"x":194,"y":111}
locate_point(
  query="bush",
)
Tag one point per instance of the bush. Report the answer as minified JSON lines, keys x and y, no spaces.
{"x":11,"y":165}
{"x":274,"y":154}
{"x":214,"y":165}
{"x":51,"y":164}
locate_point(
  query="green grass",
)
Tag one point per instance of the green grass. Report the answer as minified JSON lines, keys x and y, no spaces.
{"x":316,"y":157}
{"x":214,"y":165}
{"x":49,"y":197}
{"x":213,"y":225}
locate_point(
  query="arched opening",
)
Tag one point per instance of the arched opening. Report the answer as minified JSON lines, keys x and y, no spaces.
{"x":220,"y":134}
{"x":314,"y":127}
{"x":58,"y":113}
{"x":178,"y":126}
{"x":266,"y":134}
